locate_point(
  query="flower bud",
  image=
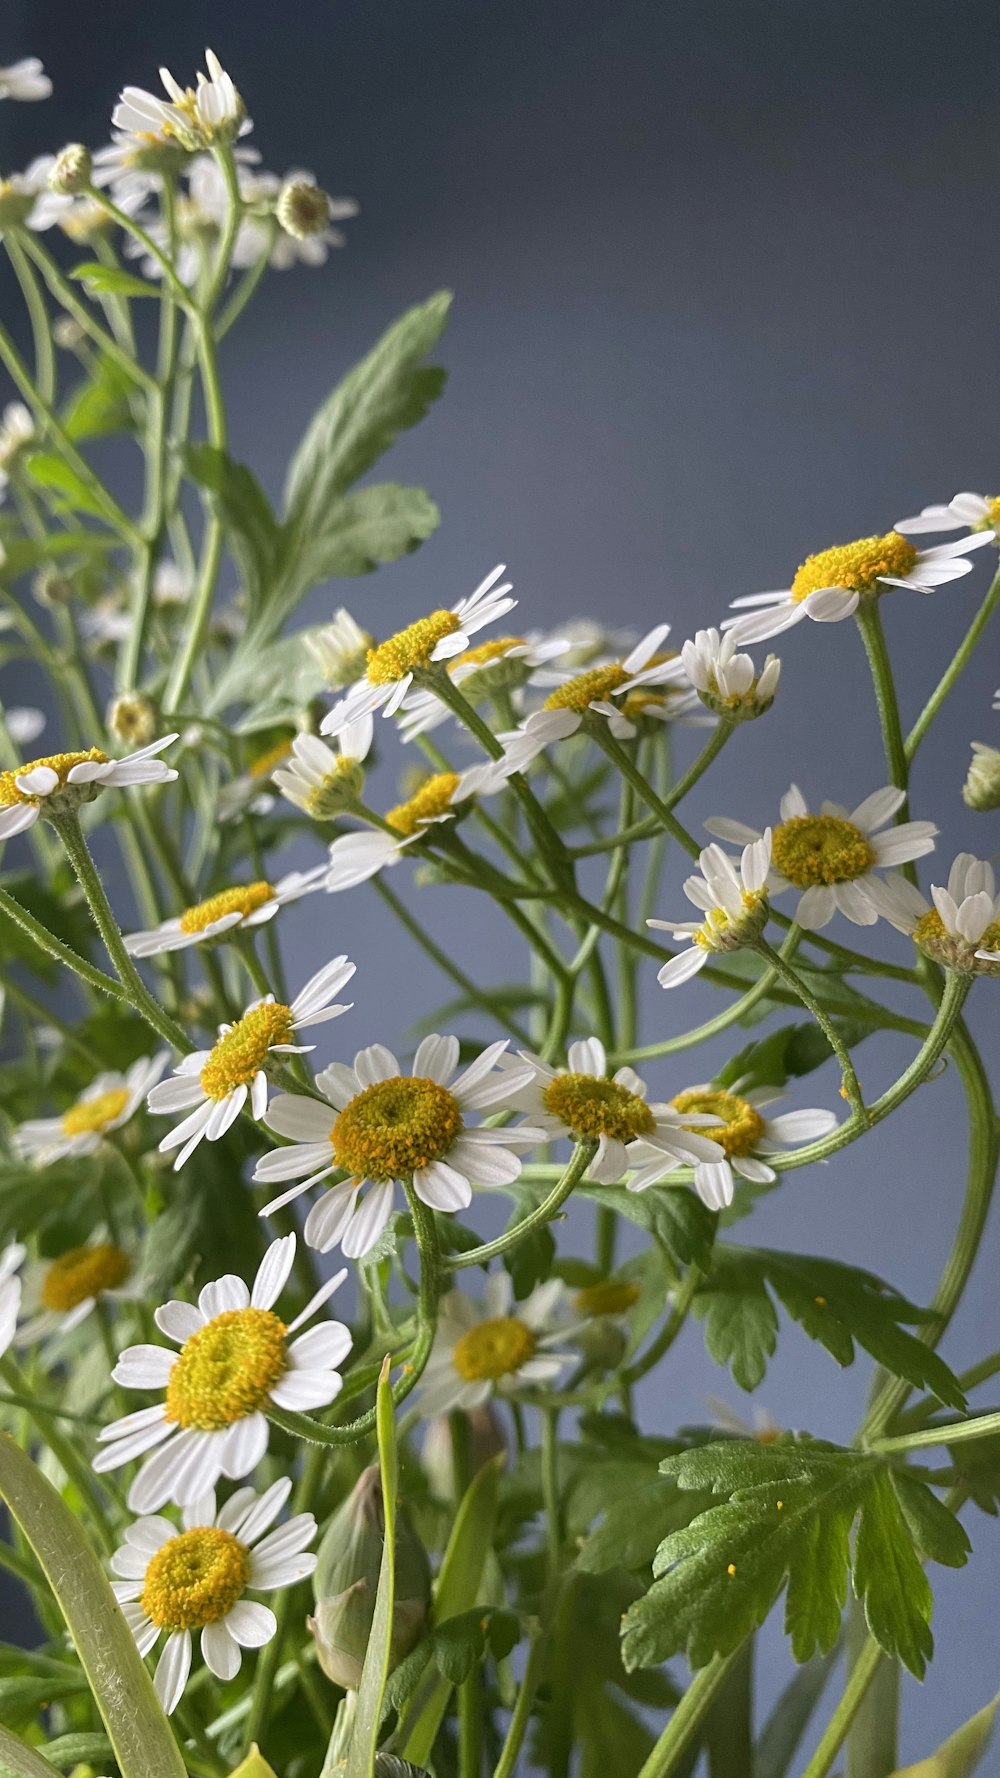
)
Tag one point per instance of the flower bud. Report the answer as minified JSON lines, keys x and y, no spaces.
{"x":49,"y":588}
{"x":346,"y":1582}
{"x":72,"y":169}
{"x":132,"y":719}
{"x":67,"y":333}
{"x":303,"y":208}
{"x":981,"y":789}
{"x":341,"y":649}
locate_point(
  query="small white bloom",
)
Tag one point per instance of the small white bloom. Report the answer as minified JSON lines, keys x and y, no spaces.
{"x":25,"y":80}
{"x":508,"y":665}
{"x":58,"y":1294}
{"x":744,"y":1137}
{"x":195,"y":117}
{"x":174,"y":1583}
{"x":962,"y":929}
{"x":391,"y":1128}
{"x":17,"y":431}
{"x":109,"y":1102}
{"x":966,"y":512}
{"x":243,"y":905}
{"x":64,"y":780}
{"x":496,"y":1347}
{"x":306,"y":214}
{"x":323,"y":782}
{"x":213,"y":1086}
{"x":728,"y":682}
{"x":355,"y":857}
{"x":341,"y":649}
{"x":235,"y":1358}
{"x":24,"y":724}
{"x":734,"y":901}
{"x":832,"y":857}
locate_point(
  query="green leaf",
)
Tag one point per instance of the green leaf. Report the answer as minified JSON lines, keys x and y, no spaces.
{"x":741,"y":1322}
{"x":67,"y":1751}
{"x":254,"y":1766}
{"x":635,"y":1523}
{"x":977,"y":1470}
{"x":53,"y":472}
{"x":675,"y":1215}
{"x":959,"y":1756}
{"x":787,"y":1517}
{"x":789,"y":1052}
{"x":18,"y":1761}
{"x":110,"y":280}
{"x":780,"y":1737}
{"x":140,"y":1734}
{"x":100,"y":405}
{"x":252,"y":531}
{"x":378,"y":1655}
{"x":361,"y":530}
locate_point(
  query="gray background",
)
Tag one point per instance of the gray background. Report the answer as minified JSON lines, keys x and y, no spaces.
{"x":726,"y":293}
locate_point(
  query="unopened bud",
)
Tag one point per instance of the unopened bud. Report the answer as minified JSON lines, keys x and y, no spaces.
{"x":72,"y":169}
{"x":345,"y":1584}
{"x":67,"y":333}
{"x":303,"y":208}
{"x":132,"y":719}
{"x":981,"y":789}
{"x":49,"y":588}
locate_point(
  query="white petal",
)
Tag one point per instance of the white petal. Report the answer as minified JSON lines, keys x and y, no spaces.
{"x":228,"y":1292}
{"x":878,"y":808}
{"x":245,"y":1445}
{"x":437,"y":1059}
{"x":442,"y":1187}
{"x":172,"y":1669}
{"x":587,"y":1057}
{"x":816,"y":907}
{"x":329,"y":1217}
{"x":682,"y":967}
{"x":714,"y":1183}
{"x":220,"y":1653}
{"x":368,"y":1221}
{"x":374,"y":1064}
{"x":251,"y":1625}
{"x":273,"y":1272}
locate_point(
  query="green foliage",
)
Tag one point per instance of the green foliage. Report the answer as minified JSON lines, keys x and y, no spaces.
{"x":63,"y":481}
{"x":779,"y":1739}
{"x":375,"y":1672}
{"x":111,"y":280}
{"x":962,"y":1753}
{"x":101,"y":405}
{"x":787,"y":1053}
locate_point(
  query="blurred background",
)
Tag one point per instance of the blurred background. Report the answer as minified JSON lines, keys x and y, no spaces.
{"x":725,"y":289}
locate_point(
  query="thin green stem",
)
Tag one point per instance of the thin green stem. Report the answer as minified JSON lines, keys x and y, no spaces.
{"x":954,"y":669}
{"x":571,"y":1176}
{"x":661,"y":808}
{"x":668,"y":1333}
{"x":712,"y":1027}
{"x":54,"y":947}
{"x":954,"y":1433}
{"x":687,"y":1718}
{"x":45,"y":363}
{"x":869,"y":620}
{"x":469,"y":988}
{"x":62,"y":289}
{"x":793,"y":980}
{"x":550,"y":1489}
{"x":835,"y":1734}
{"x":517,"y":1728}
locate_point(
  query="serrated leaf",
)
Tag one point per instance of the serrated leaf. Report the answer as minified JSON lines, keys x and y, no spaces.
{"x":977,"y":1470}
{"x":792,"y":1051}
{"x":358,"y":532}
{"x":634,"y":1524}
{"x":110,"y":280}
{"x":960,"y":1755}
{"x":889,"y":1578}
{"x":936,"y":1531}
{"x":674,"y":1214}
{"x":741,"y":1322}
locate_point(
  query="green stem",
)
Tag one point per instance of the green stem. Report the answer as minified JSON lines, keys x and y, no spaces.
{"x":469,"y":988}
{"x":62,"y":289}
{"x":550,"y":1489}
{"x":712,"y":1027}
{"x":834,"y":1735}
{"x":661,"y":808}
{"x":687,"y":1718}
{"x":955,"y":668}
{"x":517,"y":1728}
{"x":789,"y":976}
{"x":869,"y":620}
{"x":53,"y":947}
{"x":45,"y":364}
{"x":570,"y":1177}
{"x":668,"y":1332}
{"x":954,"y":1433}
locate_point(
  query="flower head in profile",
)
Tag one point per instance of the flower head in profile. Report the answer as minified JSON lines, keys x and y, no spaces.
{"x":176,"y":1583}
{"x":235,"y":1357}
{"x":743,"y":1134}
{"x":501,"y":667}
{"x":24,"y":723}
{"x":25,"y":80}
{"x":583,"y":1103}
{"x":106,"y":1105}
{"x":58,"y":784}
{"x":981,"y":789}
{"x":11,"y":1260}
{"x":340,"y":649}
{"x":392,"y":665}
{"x":355,"y":857}
{"x":242,"y":905}
{"x":727,"y":682}
{"x":833,"y":858}
{"x":734,"y":902}
{"x":195,"y":117}
{"x":389,"y":1128}
{"x":961,"y":930}
{"x":325,"y":782}
{"x":965,"y":512}
{"x":213,"y":1086}
{"x":830,"y":586}
{"x":494,"y":1347}
{"x":647,"y":683}
{"x":58,"y":1294}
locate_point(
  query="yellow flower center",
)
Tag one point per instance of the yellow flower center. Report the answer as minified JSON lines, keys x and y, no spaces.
{"x":195,"y":1579}
{"x":811,"y":849}
{"x":241,"y":1053}
{"x":410,"y":648}
{"x":95,"y":1114}
{"x":486,"y":652}
{"x":60,"y":763}
{"x":610,"y":1297}
{"x":245,"y":899}
{"x":82,"y":1273}
{"x":395,"y":1127}
{"x":993,"y":504}
{"x":742,"y":1126}
{"x":587,"y":688}
{"x":227,"y":1369}
{"x":264,"y":764}
{"x":493,"y":1349}
{"x":856,"y":566}
{"x":932,"y":935}
{"x":591,"y":1107}
{"x":431,"y":800}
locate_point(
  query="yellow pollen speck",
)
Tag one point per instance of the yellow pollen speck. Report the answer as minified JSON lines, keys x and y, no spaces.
{"x":856,"y":566}
{"x":741,"y":1129}
{"x":227,"y":1369}
{"x":264,"y":764}
{"x":82,"y":1273}
{"x":731,"y":1569}
{"x":779,"y":1506}
{"x":815,"y":849}
{"x":94,"y":1115}
{"x":587,"y":688}
{"x":195,"y":1579}
{"x":241,"y":1053}
{"x":610,"y":1297}
{"x":493,"y":1349}
{"x":591,"y":1107}
{"x":60,"y":763}
{"x":409,"y":649}
{"x":820,"y":1302}
{"x":244,"y":899}
{"x":431,"y":800}
{"x":391,"y":1129}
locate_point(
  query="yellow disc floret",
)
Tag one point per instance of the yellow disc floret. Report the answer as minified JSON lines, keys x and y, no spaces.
{"x":932,"y":936}
{"x":857,"y":566}
{"x":587,"y":688}
{"x":432,"y":800}
{"x":227,"y":1369}
{"x":60,"y":763}
{"x":812,"y":849}
{"x":395,"y":1127}
{"x":241,"y":1053}
{"x":89,"y":1116}
{"x":485,"y":653}
{"x":82,"y":1273}
{"x":610,"y":1297}
{"x":741,"y":1129}
{"x":195,"y":1579}
{"x":591,"y":1108}
{"x":493,"y":1349}
{"x":409,"y":649}
{"x":244,"y":899}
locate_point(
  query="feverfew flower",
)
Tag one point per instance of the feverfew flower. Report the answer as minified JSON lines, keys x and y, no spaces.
{"x":341,"y":649}
{"x":25,"y":80}
{"x":498,"y":668}
{"x":11,"y":1258}
{"x":389,"y":1128}
{"x":321,"y":782}
{"x":174,"y":1583}
{"x":235,"y":1357}
{"x":830,"y":586}
{"x":195,"y":117}
{"x":306,"y":213}
{"x":109,"y":1102}
{"x":583,"y":1104}
{"x":17,"y":431}
{"x":622,"y":692}
{"x":391,"y":665}
{"x":355,"y":857}
{"x":58,"y":1294}
{"x":962,"y":929}
{"x":58,"y":784}
{"x":244,"y":905}
{"x":735,"y":903}
{"x":214,"y":1085}
{"x":727,"y":682}
{"x":981,"y":789}
{"x":744,"y":1136}
{"x":497,"y":1347}
{"x":966,"y":512}
{"x":832,"y":857}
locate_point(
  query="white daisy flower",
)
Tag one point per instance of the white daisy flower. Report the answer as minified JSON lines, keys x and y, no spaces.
{"x":728,"y":682}
{"x":391,"y":665}
{"x":244,"y":905}
{"x":235,"y":1357}
{"x":17,"y":432}
{"x":981,"y":789}
{"x":829,"y":586}
{"x":503,"y":666}
{"x":493,"y":1348}
{"x":306,"y":214}
{"x":832,"y":857}
{"x":763,"y":1428}
{"x":213,"y":1086}
{"x":58,"y":1294}
{"x":131,"y":166}
{"x":355,"y":857}
{"x":24,"y":724}
{"x":589,"y":641}
{"x":25,"y":80}
{"x":962,"y":929}
{"x":341,"y":649}
{"x":735,"y":902}
{"x":62,"y":781}
{"x":966,"y":512}
{"x":109,"y":1102}
{"x":195,"y":117}
{"x":583,"y":1104}
{"x":324,"y":781}
{"x":174,"y":1583}
{"x":388,"y":1128}
{"x":11,"y":1258}
{"x":744,"y":1135}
